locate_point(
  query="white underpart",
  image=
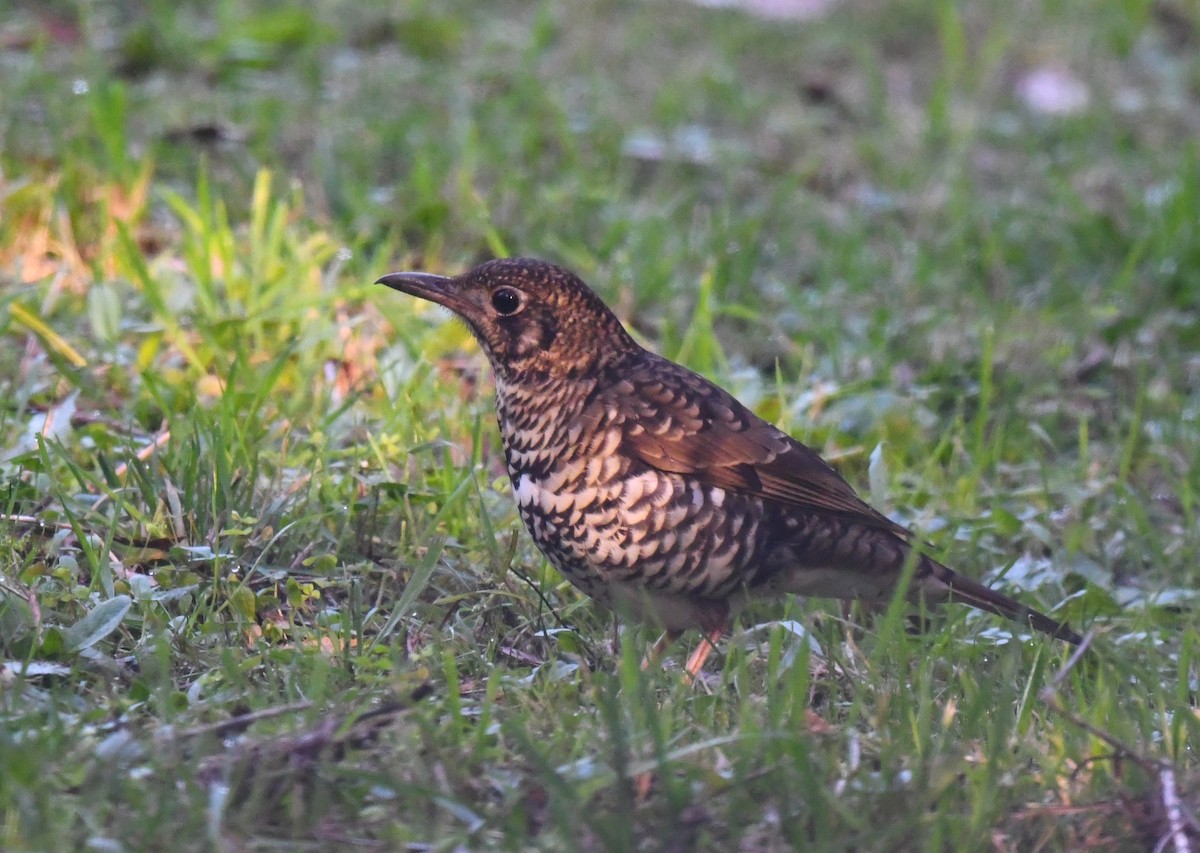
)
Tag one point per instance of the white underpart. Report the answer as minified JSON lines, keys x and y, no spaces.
{"x":526,"y":492}
{"x":637,"y":487}
{"x":611,"y":439}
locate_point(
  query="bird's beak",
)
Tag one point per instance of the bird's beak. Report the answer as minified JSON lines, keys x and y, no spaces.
{"x":435,"y":288}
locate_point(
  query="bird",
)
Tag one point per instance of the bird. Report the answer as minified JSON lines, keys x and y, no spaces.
{"x":657,"y":493}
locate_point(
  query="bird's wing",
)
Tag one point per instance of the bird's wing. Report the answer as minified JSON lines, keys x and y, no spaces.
{"x":676,"y":421}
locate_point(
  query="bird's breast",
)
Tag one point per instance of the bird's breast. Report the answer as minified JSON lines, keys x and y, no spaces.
{"x":605,"y":522}
{"x":605,"y":518}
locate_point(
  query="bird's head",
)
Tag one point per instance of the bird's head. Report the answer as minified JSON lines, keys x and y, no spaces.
{"x":529,"y":316}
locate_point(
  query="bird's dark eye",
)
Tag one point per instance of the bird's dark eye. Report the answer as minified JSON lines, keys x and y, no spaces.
{"x":505,"y":300}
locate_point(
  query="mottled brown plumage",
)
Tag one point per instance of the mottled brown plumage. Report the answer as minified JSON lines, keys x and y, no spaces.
{"x":655,"y":491}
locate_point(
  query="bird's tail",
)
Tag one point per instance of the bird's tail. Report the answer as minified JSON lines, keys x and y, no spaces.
{"x":955,"y":587}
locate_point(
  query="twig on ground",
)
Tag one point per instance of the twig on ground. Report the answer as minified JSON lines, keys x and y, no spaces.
{"x":159,"y":442}
{"x":1177,"y":817}
{"x":242,"y":721}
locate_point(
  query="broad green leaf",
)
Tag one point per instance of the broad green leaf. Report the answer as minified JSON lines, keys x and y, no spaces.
{"x":104,"y":311}
{"x":98,"y":624}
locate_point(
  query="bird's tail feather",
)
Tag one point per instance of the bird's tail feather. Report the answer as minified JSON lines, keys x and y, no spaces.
{"x":966,"y":591}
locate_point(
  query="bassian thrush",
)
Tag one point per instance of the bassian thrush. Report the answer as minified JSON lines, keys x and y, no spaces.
{"x":655,"y":491}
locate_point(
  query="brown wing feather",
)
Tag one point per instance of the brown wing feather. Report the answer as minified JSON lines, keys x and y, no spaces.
{"x":676,"y":421}
{"x":686,"y":425}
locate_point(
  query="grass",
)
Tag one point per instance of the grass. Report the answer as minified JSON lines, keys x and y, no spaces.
{"x":262,"y":583}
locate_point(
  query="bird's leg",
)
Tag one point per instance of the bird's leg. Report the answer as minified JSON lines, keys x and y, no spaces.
{"x":708,"y":643}
{"x":659,"y":648}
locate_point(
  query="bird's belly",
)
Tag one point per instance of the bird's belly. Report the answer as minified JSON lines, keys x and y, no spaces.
{"x":656,"y":534}
{"x":827,"y":582}
{"x":671,"y":612}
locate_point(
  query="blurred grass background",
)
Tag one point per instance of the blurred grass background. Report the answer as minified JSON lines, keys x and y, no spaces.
{"x":261,"y":581}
